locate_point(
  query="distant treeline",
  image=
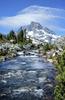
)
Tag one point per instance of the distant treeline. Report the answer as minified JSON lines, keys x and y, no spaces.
{"x":19,"y":37}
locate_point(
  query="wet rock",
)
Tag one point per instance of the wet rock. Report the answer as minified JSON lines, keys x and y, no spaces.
{"x":4,"y":81}
{"x":38,"y":93}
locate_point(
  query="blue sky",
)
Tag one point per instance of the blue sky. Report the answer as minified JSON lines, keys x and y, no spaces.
{"x":15,"y":13}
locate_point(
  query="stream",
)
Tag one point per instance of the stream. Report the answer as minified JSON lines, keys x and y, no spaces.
{"x":27,"y":78}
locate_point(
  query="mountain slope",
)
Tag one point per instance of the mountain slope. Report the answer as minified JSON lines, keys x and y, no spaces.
{"x":40,"y":34}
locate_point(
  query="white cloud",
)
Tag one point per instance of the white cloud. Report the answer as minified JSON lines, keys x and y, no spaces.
{"x":47,"y":16}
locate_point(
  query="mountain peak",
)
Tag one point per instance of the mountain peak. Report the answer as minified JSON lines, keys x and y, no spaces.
{"x":36,"y":25}
{"x":33,"y":26}
{"x":40,"y":34}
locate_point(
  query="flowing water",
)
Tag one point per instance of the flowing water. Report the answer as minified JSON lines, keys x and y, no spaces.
{"x":27,"y":78}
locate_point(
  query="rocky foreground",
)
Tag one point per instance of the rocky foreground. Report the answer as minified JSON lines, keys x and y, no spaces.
{"x":8,"y":51}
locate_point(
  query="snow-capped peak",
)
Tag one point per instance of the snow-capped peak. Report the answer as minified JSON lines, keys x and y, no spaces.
{"x":39,"y":34}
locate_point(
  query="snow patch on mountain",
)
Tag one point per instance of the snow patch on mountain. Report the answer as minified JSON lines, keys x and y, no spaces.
{"x":38,"y":34}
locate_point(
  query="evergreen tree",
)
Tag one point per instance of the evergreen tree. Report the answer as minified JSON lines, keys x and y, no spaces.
{"x":1,"y":36}
{"x":60,"y":78}
{"x":47,"y":47}
{"x":20,"y":36}
{"x":24,"y":31}
{"x":11,"y":35}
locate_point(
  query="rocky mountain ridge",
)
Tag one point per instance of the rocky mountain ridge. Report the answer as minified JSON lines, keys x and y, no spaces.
{"x":40,"y":34}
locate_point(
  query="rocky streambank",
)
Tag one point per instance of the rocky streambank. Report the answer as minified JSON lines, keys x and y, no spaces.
{"x":8,"y":51}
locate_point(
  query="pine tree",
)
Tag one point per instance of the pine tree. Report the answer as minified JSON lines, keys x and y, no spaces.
{"x":60,"y":78}
{"x":11,"y":35}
